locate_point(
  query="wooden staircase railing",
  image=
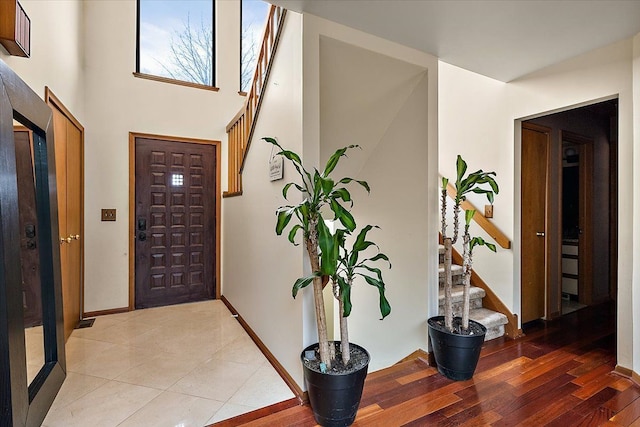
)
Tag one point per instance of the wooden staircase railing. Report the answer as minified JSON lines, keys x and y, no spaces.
{"x":240,"y":129}
{"x":482,"y":221}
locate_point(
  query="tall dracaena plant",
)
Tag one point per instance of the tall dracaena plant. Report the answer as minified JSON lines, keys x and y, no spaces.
{"x":478,"y":182}
{"x":351,"y":264}
{"x":319,"y":192}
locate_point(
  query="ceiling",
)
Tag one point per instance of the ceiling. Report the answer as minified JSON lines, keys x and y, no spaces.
{"x":500,"y":39}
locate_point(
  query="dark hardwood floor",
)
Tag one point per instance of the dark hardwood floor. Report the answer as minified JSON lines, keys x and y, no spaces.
{"x":559,"y":374}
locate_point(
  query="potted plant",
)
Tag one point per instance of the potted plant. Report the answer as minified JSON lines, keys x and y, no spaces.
{"x":456,"y":341}
{"x":334,"y":372}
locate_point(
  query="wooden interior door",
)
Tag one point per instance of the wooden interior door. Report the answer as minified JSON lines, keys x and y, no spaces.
{"x":69,"y":135}
{"x":175,"y":222}
{"x":534,"y":170}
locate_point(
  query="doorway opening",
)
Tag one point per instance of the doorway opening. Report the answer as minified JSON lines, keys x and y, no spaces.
{"x":577,"y":233}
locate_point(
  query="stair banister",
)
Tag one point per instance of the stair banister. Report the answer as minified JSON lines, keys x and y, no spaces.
{"x":240,"y":129}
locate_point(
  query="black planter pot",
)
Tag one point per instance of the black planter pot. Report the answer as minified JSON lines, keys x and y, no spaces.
{"x":335,"y":398}
{"x":456,"y":355}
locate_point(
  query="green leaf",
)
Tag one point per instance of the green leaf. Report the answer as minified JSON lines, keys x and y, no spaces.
{"x":385,"y":307}
{"x":479,"y":241}
{"x":345,"y":295}
{"x":365,"y":185}
{"x":362,"y":183}
{"x":380,"y":256}
{"x":284,"y":216}
{"x":327,"y":185}
{"x":292,"y":233}
{"x":468,"y":216}
{"x":461,"y":168}
{"x":290,"y":155}
{"x":317,"y":184}
{"x":329,"y":250}
{"x":445,"y":182}
{"x":361,"y":243}
{"x":285,"y":189}
{"x":301,"y":283}
{"x":333,"y":161}
{"x":342,"y":193}
{"x":353,"y":259}
{"x":375,"y":270}
{"x":341,"y":214}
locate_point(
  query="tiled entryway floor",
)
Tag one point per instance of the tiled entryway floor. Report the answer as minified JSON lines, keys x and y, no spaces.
{"x":182,"y":365}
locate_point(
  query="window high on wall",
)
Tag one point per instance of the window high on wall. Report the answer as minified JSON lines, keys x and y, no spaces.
{"x":253,"y":16}
{"x":176,"y":40}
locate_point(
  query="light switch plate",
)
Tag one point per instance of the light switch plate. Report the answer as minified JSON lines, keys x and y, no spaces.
{"x":108,"y":214}
{"x":488,"y":211}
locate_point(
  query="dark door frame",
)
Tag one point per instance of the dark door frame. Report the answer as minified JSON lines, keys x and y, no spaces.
{"x":22,"y":404}
{"x":613,"y":202}
{"x":132,"y":204}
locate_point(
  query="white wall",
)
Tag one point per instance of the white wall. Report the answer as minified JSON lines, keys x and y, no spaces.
{"x":381,"y":104}
{"x":478,"y":120}
{"x":359,"y":89}
{"x":259,"y":266}
{"x":118,"y":103}
{"x":631,"y":315}
{"x":56,"y":52}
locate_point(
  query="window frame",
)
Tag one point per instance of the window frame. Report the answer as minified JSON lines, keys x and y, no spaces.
{"x":170,"y":80}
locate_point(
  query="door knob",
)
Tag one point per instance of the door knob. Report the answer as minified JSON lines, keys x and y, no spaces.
{"x":540,"y":233}
{"x":75,"y":237}
{"x":65,"y":240}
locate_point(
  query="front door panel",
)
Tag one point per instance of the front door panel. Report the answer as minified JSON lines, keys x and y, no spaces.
{"x":175,"y":222}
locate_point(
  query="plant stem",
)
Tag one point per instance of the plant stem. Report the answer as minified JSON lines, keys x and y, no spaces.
{"x":456,"y":221}
{"x":443,"y":212}
{"x":448,"y":304}
{"x":344,"y":334}
{"x":326,"y":355}
{"x":466,"y":270}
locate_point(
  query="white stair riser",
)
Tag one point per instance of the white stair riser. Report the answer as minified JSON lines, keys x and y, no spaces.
{"x":494,"y":322}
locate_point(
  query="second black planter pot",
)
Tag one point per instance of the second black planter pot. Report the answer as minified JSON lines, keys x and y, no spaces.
{"x":335,"y":398}
{"x":456,"y":355}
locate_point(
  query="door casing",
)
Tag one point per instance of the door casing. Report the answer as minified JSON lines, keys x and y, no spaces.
{"x":132,"y":204}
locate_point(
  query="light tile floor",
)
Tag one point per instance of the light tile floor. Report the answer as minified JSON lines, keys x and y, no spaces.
{"x":183,"y":365}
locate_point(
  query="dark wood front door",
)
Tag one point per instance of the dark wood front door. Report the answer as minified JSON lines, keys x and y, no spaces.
{"x":535,"y":152}
{"x":175,"y":222}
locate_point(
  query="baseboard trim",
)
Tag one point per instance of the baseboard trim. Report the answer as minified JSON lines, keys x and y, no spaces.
{"x":629,"y":373}
{"x":297,"y":391}
{"x":418,"y":354}
{"x":105,"y":312}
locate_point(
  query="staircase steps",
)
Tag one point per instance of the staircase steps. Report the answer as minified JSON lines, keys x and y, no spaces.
{"x":492,"y":320}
